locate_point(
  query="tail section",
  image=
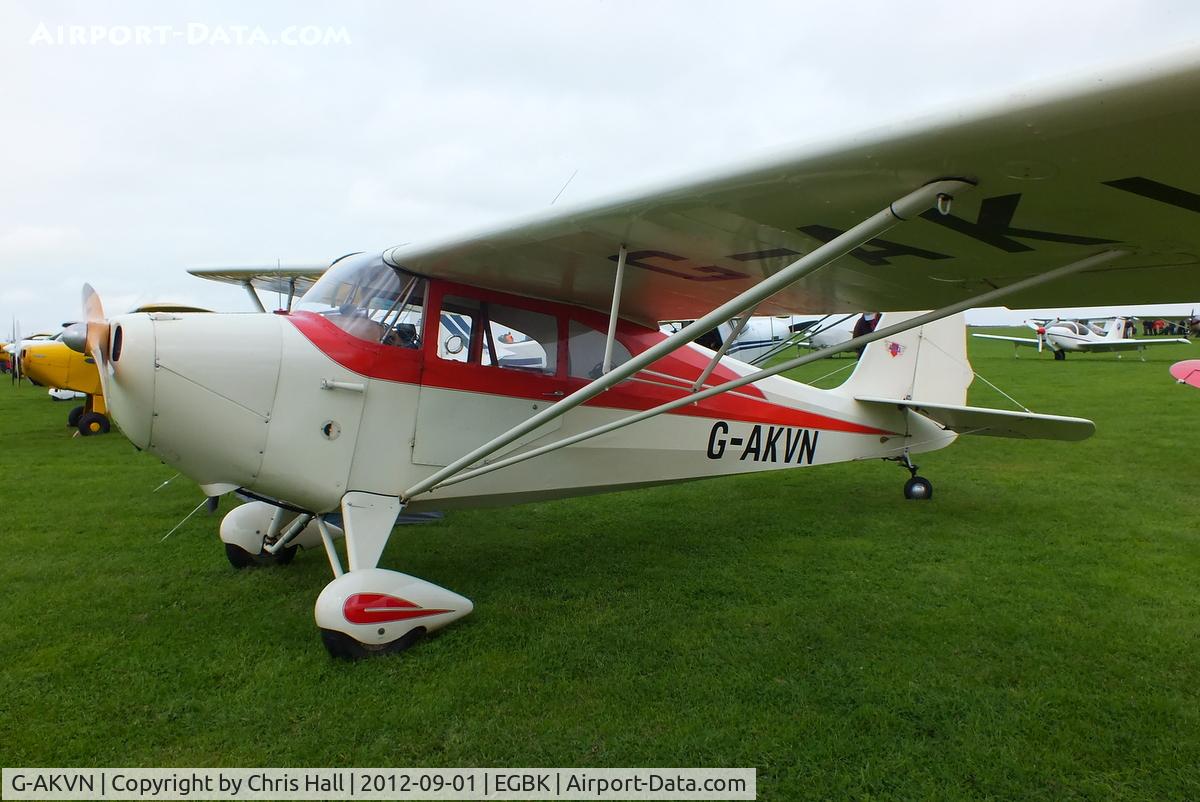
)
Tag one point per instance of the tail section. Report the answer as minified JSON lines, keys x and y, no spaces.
{"x":927,"y":364}
{"x":1115,"y":329}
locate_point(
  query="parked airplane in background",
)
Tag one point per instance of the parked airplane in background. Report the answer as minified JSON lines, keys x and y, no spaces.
{"x":53,"y":364}
{"x":14,"y":347}
{"x":346,"y":411}
{"x":1061,"y":336}
{"x":753,"y":339}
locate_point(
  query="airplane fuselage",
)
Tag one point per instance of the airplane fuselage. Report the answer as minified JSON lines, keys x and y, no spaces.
{"x":295,"y":407}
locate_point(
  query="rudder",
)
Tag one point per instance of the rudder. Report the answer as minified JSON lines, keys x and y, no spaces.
{"x":928,"y":363}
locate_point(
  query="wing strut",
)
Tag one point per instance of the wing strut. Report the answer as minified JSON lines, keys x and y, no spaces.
{"x":254,"y":299}
{"x":616,"y":309}
{"x":906,"y":208}
{"x":985,"y":299}
{"x":733,"y":335}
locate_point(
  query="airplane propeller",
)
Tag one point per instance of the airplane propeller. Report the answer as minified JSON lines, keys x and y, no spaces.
{"x":1040,"y":330}
{"x":96,"y":341}
{"x":14,"y":355}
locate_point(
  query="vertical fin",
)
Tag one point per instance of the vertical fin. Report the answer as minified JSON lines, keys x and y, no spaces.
{"x":928,"y":363}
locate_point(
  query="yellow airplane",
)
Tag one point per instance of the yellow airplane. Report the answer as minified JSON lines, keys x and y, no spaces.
{"x":55,"y":365}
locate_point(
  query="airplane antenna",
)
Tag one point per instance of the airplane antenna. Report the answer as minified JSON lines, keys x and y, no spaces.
{"x":278,"y":289}
{"x":164,"y":484}
{"x":185,"y":520}
{"x":564,"y":186}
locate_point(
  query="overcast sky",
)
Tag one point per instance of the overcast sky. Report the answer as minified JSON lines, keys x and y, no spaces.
{"x":124,"y":164}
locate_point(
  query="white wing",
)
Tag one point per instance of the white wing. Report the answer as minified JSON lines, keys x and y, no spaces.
{"x":1017,"y":340}
{"x":1058,"y":177}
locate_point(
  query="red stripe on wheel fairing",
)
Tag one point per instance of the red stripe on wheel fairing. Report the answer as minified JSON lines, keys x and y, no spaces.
{"x":380,"y":608}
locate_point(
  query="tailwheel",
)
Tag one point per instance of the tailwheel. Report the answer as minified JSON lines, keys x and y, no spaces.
{"x":92,"y":423}
{"x":240,"y":558}
{"x":74,"y":415}
{"x":345,"y":647}
{"x":918,"y":488}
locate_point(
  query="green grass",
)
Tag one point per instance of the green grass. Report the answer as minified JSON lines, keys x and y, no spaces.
{"x":1033,"y":632}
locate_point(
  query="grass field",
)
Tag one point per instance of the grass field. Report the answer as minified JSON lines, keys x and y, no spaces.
{"x":1031,"y":633}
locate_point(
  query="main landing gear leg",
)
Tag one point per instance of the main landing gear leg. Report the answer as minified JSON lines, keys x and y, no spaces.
{"x":369,"y":610}
{"x":258,"y":534}
{"x":917,"y":487}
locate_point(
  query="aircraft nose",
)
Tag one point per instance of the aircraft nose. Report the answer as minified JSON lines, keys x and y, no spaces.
{"x":129,"y":383}
{"x":214,"y":380}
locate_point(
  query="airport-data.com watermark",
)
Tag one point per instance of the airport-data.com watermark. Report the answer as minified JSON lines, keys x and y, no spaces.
{"x":195,"y":34}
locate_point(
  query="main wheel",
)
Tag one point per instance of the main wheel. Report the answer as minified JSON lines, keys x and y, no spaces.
{"x":339,"y":644}
{"x":240,"y":558}
{"x":1059,"y":356}
{"x":92,"y":423}
{"x":73,"y":416}
{"x":918,"y":488}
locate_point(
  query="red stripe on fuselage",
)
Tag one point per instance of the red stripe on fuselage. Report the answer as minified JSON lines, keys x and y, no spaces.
{"x":415,"y":366}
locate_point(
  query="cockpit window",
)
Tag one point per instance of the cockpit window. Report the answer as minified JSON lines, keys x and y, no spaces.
{"x":370,"y":300}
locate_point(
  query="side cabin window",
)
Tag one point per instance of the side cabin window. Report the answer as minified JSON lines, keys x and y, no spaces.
{"x":494,"y":334}
{"x":585,"y":348}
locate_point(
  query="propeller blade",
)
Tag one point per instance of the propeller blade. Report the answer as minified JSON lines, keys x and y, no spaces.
{"x":97,"y":326}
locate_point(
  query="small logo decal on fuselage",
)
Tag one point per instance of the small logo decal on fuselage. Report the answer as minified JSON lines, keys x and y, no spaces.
{"x":784,"y":444}
{"x":895,"y":349}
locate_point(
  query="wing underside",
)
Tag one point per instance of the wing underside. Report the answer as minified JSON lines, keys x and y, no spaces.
{"x":1129,"y":344}
{"x":1059,"y":175}
{"x":285,"y":280}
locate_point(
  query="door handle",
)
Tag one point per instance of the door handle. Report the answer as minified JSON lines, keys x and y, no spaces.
{"x":555,"y":394}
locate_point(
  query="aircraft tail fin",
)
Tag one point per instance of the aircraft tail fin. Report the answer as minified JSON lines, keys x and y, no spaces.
{"x":928,"y":363}
{"x":1115,"y":329}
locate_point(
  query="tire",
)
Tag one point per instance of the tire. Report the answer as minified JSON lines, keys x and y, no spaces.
{"x":918,"y":488}
{"x":92,"y":423}
{"x":240,"y":558}
{"x":1059,"y":356}
{"x":342,"y":646}
{"x":73,"y":416}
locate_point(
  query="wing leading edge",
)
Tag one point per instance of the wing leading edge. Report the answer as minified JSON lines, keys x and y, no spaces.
{"x":1017,"y":340}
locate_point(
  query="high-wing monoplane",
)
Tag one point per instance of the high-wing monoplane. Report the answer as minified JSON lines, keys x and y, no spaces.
{"x":346,"y":411}
{"x":1061,"y":336}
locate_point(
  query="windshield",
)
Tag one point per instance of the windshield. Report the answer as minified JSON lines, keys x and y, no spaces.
{"x":370,"y":300}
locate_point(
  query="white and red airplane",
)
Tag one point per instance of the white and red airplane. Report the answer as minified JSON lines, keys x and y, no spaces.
{"x":349,"y":410}
{"x":1061,"y":336}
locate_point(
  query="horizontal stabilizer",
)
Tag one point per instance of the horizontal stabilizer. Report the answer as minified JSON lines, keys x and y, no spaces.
{"x":995,"y":422}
